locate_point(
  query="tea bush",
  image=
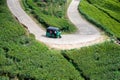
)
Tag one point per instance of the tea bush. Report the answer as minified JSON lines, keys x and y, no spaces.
{"x":23,"y":58}
{"x":50,"y":13}
{"x":105,"y":14}
{"x":4,"y":78}
{"x":98,"y":62}
{"x":111,"y":7}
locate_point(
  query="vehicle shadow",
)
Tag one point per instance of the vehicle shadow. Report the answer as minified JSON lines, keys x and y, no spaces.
{"x":49,"y":37}
{"x":46,"y":36}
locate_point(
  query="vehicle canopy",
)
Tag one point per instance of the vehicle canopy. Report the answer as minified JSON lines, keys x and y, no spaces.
{"x":53,"y":32}
{"x":53,"y":28}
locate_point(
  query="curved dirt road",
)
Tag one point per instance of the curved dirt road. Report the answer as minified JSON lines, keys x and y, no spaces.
{"x":86,"y":35}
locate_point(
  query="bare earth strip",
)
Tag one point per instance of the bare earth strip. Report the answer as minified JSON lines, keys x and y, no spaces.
{"x":86,"y":35}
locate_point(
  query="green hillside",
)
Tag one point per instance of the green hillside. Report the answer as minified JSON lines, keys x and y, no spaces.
{"x":103,"y":13}
{"x":99,"y":62}
{"x":24,"y":58}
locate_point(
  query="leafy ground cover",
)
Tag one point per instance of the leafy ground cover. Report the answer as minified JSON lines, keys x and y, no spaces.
{"x":99,"y":62}
{"x":103,"y":13}
{"x":23,"y":58}
{"x":50,"y":13}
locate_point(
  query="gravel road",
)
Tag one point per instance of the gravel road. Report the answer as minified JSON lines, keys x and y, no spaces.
{"x":86,"y":35}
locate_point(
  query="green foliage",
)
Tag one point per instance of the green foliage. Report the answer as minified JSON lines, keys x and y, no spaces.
{"x":99,"y":62}
{"x":105,"y":14}
{"x":109,"y":6}
{"x":50,"y":13}
{"x":4,"y":78}
{"x":23,"y":58}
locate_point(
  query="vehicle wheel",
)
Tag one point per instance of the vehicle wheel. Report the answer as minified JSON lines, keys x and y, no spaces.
{"x":60,"y":37}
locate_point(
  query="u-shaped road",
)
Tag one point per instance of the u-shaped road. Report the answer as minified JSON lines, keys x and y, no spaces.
{"x":86,"y":35}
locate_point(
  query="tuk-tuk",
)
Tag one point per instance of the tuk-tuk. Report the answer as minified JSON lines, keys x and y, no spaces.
{"x":53,"y":32}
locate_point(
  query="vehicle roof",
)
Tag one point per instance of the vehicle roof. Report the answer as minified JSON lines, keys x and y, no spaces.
{"x":52,"y":28}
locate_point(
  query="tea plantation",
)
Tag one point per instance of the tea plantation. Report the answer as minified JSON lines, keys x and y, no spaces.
{"x":23,"y":58}
{"x":98,"y":62}
{"x":50,"y":13}
{"x":103,"y":13}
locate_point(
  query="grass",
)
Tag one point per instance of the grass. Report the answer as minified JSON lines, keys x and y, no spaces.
{"x":105,"y":14}
{"x":50,"y":14}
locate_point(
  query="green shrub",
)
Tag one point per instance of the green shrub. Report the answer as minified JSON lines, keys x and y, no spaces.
{"x":51,"y":14}
{"x":98,"y":13}
{"x":4,"y":78}
{"x":98,"y":62}
{"x":111,"y":7}
{"x":24,"y":58}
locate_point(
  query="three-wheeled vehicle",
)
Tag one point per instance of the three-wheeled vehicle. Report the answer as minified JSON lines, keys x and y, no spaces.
{"x":53,"y":32}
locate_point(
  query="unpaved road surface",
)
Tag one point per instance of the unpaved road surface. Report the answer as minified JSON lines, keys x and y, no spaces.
{"x":86,"y":35}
